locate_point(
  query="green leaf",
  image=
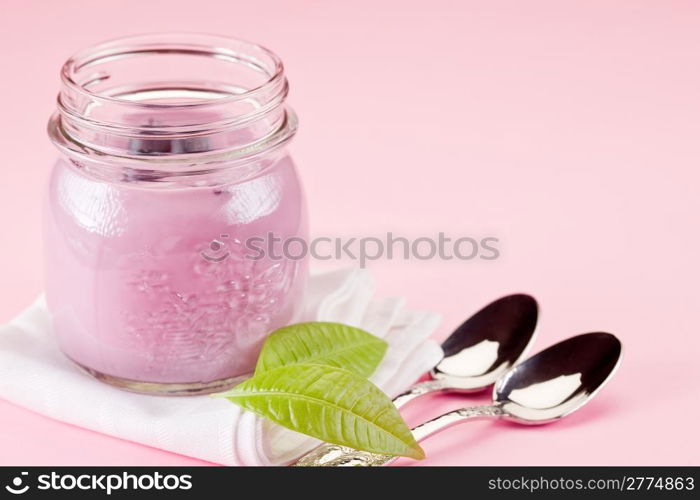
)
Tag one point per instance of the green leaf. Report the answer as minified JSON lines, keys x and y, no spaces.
{"x":328,"y":403}
{"x":322,"y":343}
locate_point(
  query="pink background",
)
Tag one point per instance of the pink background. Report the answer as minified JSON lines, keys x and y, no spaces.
{"x":569,"y":130}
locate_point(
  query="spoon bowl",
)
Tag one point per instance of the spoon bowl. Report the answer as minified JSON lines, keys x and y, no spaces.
{"x":559,"y":380}
{"x":482,"y":348}
{"x":487,"y":344}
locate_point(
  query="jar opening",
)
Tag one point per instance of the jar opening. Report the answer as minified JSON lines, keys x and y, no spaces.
{"x":172,"y":94}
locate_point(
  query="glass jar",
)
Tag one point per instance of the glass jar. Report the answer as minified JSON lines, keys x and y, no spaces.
{"x":167,"y":208}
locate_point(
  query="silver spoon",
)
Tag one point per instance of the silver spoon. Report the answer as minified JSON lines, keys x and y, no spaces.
{"x":482,"y":348}
{"x":478,"y":352}
{"x":548,"y":386}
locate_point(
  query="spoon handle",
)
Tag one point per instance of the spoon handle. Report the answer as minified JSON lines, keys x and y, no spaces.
{"x":447,"y":420}
{"x":418,"y":390}
{"x":333,"y":455}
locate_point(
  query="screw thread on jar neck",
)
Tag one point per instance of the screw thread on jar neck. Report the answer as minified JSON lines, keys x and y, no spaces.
{"x":173,"y":98}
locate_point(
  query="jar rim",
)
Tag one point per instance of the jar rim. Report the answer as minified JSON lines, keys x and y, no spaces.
{"x":206,"y":44}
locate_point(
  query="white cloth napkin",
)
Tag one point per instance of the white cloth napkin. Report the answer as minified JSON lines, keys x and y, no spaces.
{"x":34,"y":374}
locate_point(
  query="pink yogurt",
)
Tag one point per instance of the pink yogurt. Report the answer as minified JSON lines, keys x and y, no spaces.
{"x":157,"y":285}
